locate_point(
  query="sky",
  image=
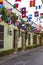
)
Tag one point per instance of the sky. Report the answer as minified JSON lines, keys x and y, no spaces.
{"x":26,"y":3}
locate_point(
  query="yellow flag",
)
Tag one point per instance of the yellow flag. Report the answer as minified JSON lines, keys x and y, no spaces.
{"x":1,"y":0}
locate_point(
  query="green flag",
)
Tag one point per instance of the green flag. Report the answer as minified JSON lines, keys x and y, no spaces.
{"x":16,"y":5}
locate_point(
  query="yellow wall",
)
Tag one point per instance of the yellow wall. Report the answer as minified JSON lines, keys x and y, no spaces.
{"x":8,"y":39}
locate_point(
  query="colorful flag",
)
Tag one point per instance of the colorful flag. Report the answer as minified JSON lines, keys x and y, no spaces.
{"x":1,"y":2}
{"x":23,"y":12}
{"x":23,"y":26}
{"x":23,"y":15}
{"x":15,"y":24}
{"x":32,"y":3}
{"x":36,"y":13}
{"x":16,"y":5}
{"x":9,"y":10}
{"x":17,"y":0}
{"x":29,"y":17}
{"x":1,"y":6}
{"x":38,"y":7}
{"x":10,"y":22}
{"x":41,"y":15}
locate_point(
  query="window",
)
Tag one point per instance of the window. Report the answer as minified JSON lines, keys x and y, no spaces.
{"x":1,"y":36}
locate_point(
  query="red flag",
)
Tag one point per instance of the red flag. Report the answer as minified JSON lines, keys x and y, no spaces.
{"x":16,"y":5}
{"x":1,"y":2}
{"x":41,"y":14}
{"x":23,"y":15}
{"x":23,"y":12}
{"x":9,"y":11}
{"x":32,"y":3}
{"x":17,"y":0}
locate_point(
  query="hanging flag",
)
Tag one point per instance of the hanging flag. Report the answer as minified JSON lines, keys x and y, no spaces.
{"x":1,"y":2}
{"x":15,"y":24}
{"x":16,"y":5}
{"x":41,"y":15}
{"x":1,"y":6}
{"x":24,"y":9}
{"x":23,"y":26}
{"x":38,"y":7}
{"x":10,"y":22}
{"x":17,"y":0}
{"x":36,"y":13}
{"x":32,"y":3}
{"x":23,"y":12}
{"x":9,"y":10}
{"x":23,"y":15}
{"x":29,"y":17}
{"x":18,"y":24}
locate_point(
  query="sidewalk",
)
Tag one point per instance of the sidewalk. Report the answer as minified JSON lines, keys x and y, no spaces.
{"x":14,"y":55}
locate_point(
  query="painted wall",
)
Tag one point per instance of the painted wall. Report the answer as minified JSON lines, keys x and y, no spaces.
{"x":8,"y":39}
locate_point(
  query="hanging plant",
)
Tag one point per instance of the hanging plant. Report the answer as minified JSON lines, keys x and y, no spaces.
{"x":6,"y":16}
{"x":14,"y":17}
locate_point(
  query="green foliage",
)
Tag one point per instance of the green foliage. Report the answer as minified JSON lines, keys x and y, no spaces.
{"x":20,"y":49}
{"x":3,"y":11}
{"x":5,"y":15}
{"x":14,"y":17}
{"x":6,"y":52}
{"x":33,"y":46}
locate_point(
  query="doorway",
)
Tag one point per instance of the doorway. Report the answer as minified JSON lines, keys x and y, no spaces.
{"x":28,"y":39}
{"x":15,"y":43}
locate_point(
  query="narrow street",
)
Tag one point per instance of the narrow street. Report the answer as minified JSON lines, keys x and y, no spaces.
{"x":34,"y":57}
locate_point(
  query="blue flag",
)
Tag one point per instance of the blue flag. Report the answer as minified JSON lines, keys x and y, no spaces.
{"x":38,"y":7}
{"x":1,"y":6}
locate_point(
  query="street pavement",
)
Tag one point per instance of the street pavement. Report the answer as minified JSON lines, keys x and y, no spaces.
{"x":33,"y":57}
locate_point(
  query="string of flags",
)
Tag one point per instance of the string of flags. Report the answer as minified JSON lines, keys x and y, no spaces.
{"x":38,"y":7}
{"x":23,"y":11}
{"x":16,"y":5}
{"x":1,"y":3}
